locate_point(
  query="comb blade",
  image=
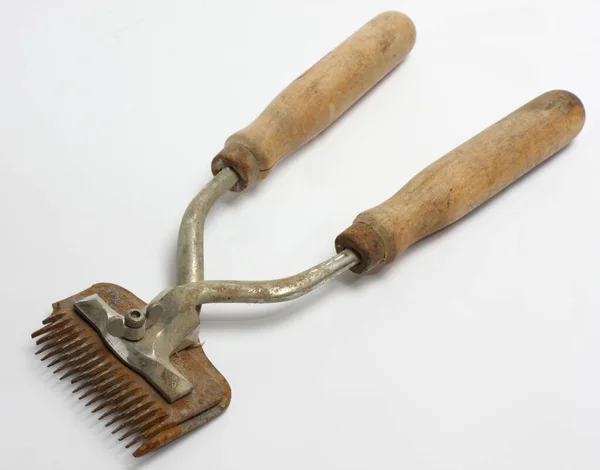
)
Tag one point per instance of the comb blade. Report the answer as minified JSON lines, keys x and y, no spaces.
{"x":103,"y":388}
{"x":71,"y":354}
{"x":73,"y":348}
{"x":86,"y":367}
{"x":148,"y":433}
{"x":48,"y":328}
{"x":137,"y":419}
{"x":53,"y":318}
{"x":76,"y":361}
{"x":130,"y":414}
{"x":110,"y":372}
{"x":91,"y":373}
{"x":142,"y":426}
{"x":70,"y":346}
{"x":58,"y":333}
{"x":58,"y":342}
{"x":121,"y":404}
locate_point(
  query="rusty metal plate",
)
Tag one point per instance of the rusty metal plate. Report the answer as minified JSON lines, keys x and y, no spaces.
{"x":119,"y":394}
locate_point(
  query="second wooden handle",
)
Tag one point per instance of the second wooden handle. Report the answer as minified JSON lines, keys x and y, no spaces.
{"x":318,"y":97}
{"x":463,"y":179}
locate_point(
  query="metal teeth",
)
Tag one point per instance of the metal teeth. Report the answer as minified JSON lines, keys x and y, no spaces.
{"x":104,"y":391}
{"x":143,"y":426}
{"x":58,"y":342}
{"x":121,"y":403}
{"x":53,"y":318}
{"x":103,"y":384}
{"x":73,"y":353}
{"x":91,"y":362}
{"x":136,"y":420}
{"x":49,"y":328}
{"x":86,"y":356}
{"x":131,"y":407}
{"x":131,"y":411}
{"x":95,"y":380}
{"x":98,"y":369}
{"x":59,"y":333}
{"x":149,"y":426}
{"x":65,"y":349}
{"x":148,"y":434}
{"x":115,"y":401}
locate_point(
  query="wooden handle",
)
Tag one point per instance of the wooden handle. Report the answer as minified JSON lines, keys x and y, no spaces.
{"x":317,"y":98}
{"x":463,"y":179}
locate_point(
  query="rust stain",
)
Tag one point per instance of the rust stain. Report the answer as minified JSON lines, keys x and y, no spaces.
{"x":123,"y":394}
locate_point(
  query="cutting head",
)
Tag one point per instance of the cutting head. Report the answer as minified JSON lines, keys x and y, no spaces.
{"x":118,"y":394}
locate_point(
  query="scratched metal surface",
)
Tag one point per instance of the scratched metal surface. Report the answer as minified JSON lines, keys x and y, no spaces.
{"x":131,"y":407}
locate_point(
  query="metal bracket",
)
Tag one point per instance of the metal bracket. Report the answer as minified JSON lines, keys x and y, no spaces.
{"x":167,"y":330}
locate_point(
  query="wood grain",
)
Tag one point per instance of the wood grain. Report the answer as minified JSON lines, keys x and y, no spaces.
{"x":318,"y":97}
{"x":466,"y":177}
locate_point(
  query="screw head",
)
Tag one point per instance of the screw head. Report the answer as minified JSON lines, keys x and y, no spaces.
{"x":134,"y":318}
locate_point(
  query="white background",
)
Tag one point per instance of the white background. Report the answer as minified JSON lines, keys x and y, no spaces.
{"x":477,"y":349}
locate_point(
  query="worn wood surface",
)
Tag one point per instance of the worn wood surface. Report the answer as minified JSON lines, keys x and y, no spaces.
{"x":466,"y":177}
{"x":318,"y":97}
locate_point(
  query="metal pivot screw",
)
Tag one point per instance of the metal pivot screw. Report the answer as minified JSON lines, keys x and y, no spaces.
{"x":134,"y":318}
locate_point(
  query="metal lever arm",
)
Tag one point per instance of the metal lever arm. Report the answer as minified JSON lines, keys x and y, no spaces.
{"x":304,"y":109}
{"x":190,"y":246}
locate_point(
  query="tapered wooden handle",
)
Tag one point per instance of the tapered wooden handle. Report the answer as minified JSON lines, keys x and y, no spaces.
{"x":317,"y":98}
{"x":463,"y":179}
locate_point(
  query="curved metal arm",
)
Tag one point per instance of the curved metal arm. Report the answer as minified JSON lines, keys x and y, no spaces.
{"x":276,"y":290}
{"x":170,"y":321}
{"x":190,"y":260}
{"x":190,"y":245}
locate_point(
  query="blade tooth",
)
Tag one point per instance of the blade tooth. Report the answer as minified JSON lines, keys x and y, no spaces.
{"x":88,"y":392}
{"x":85,"y":384}
{"x":59,"y":342}
{"x":93,"y":373}
{"x":101,"y":384}
{"x":121,"y":403}
{"x":52,"y":318}
{"x":90,"y":375}
{"x":89,"y":365}
{"x":154,"y":430}
{"x":134,"y":425}
{"x":90,"y":369}
{"x":65,"y":349}
{"x":107,"y":374}
{"x":71,"y":354}
{"x":143,"y":426}
{"x":117,"y":401}
{"x":104,"y":391}
{"x":48,"y":328}
{"x":79,"y":368}
{"x":80,"y":387}
{"x":104,"y":398}
{"x":131,"y":413}
{"x":114,"y":419}
{"x":137,"y":419}
{"x":76,"y":361}
{"x":148,"y":434}
{"x":59,"y":333}
{"x":95,"y":380}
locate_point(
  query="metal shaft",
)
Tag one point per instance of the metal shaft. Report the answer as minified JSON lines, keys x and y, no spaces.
{"x":190,"y":259}
{"x":190,"y":246}
{"x":276,"y":290}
